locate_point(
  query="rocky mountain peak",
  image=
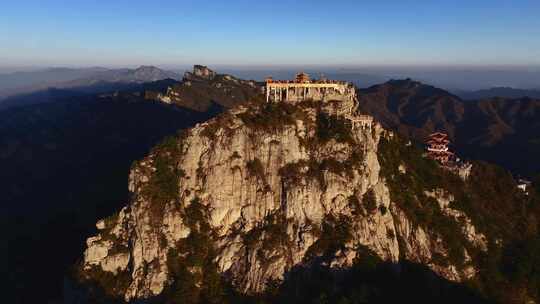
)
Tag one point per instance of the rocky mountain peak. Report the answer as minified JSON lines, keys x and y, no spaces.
{"x":204,"y":88}
{"x":266,"y":188}
{"x":152,"y":73}
{"x":411,"y":87}
{"x":201,"y":72}
{"x":147,"y":69}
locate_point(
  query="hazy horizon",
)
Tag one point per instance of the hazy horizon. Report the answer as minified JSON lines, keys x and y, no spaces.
{"x":452,"y":78}
{"x":6,"y":68}
{"x":128,"y":33}
{"x":456,"y":46}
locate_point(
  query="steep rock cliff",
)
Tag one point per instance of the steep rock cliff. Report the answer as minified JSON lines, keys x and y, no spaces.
{"x":267,"y":187}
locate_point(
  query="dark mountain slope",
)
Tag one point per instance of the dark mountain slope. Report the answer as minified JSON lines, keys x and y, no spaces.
{"x":504,"y":131}
{"x":503,"y":92}
{"x":203,"y":87}
{"x":491,"y":129}
{"x":412,"y":107}
{"x":65,"y":164}
{"x":386,"y":203}
{"x":89,"y":90}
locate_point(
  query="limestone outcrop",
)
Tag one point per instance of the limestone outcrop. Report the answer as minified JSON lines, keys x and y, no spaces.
{"x":200,"y":71}
{"x":262,"y":183}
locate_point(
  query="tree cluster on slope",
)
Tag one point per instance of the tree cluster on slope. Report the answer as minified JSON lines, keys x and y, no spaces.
{"x":490,"y":198}
{"x":163,"y":184}
{"x":194,"y":274}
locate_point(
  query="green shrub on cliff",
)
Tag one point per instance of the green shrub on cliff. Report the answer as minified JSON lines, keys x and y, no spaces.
{"x":193,"y":271}
{"x":370,"y":201}
{"x":163,"y":183}
{"x":489,"y":197}
{"x":270,"y":238}
{"x":408,"y":192}
{"x":271,"y":117}
{"x":335,"y":233}
{"x":333,"y":127}
{"x":255,"y":168}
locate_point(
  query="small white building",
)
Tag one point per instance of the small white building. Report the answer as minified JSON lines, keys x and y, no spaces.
{"x":524,"y":185}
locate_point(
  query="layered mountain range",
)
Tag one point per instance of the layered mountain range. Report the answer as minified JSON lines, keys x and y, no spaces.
{"x":504,"y":92}
{"x":64,"y":164}
{"x":202,"y":88}
{"x":25,"y":88}
{"x":265,"y":193}
{"x":273,"y":203}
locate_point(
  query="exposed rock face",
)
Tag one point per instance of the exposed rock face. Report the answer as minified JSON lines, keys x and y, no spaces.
{"x":201,"y":71}
{"x":270,"y":177}
{"x":203,"y":88}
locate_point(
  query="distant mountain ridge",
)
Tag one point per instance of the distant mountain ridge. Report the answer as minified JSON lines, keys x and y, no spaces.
{"x":504,"y":92}
{"x":202,"y":88}
{"x":45,"y":145}
{"x":138,"y":75}
{"x":50,"y":75}
{"x":505,"y":131}
{"x":92,"y":80}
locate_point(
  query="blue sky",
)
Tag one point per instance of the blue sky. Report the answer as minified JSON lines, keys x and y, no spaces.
{"x":127,"y":33}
